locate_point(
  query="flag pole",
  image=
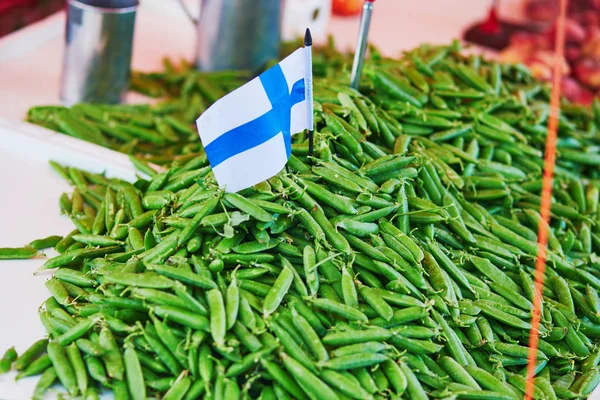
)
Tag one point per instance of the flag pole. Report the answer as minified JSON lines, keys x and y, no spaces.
{"x":361,"y":44}
{"x":308,"y":91}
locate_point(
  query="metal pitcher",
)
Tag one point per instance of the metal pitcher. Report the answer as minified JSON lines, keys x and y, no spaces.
{"x":97,"y":59}
{"x":236,"y":34}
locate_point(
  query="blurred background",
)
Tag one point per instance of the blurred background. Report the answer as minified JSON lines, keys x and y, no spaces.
{"x":511,"y":30}
{"x":16,"y":14}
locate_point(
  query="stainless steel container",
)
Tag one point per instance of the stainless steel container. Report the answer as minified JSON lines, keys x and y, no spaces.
{"x":97,"y":59}
{"x":237,"y":34}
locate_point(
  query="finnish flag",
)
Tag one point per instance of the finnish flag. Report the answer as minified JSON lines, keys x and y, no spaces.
{"x":247,"y":133}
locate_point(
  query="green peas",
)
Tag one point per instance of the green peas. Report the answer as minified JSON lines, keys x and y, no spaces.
{"x":341,"y":203}
{"x":58,"y":291}
{"x":187,"y":277}
{"x":36,"y":367}
{"x":45,"y":243}
{"x":76,"y":331}
{"x":133,"y":373}
{"x":120,"y":390}
{"x":414,"y":388}
{"x":79,"y":128}
{"x":18,"y":253}
{"x":179,"y":389}
{"x":395,"y":376}
{"x":290,"y":344}
{"x":453,"y":344}
{"x":366,"y":381}
{"x":248,"y":207}
{"x":494,"y":274}
{"x":309,"y":260}
{"x":457,"y":372}
{"x":572,"y":339}
{"x":144,"y":280}
{"x":380,"y":306}
{"x":346,"y":384}
{"x":267,"y":393}
{"x":30,"y":354}
{"x":338,"y":241}
{"x":195,"y":391}
{"x":7,"y":360}
{"x":247,"y":362}
{"x":255,"y":247}
{"x":188,"y":231}
{"x":392,"y":89}
{"x":356,"y":336}
{"x":357,"y":228}
{"x":112,"y":356}
{"x":232,"y":303}
{"x":374,"y":347}
{"x":415,"y":346}
{"x":283,"y":378}
{"x":47,"y":379}
{"x":216,"y":265}
{"x":218,"y":321}
{"x":182,"y":316}
{"x":309,"y":336}
{"x":349,"y":292}
{"x":76,"y":360}
{"x":74,"y":277}
{"x":561,"y":288}
{"x":63,"y":368}
{"x":340,"y":309}
{"x":309,"y":382}
{"x":89,"y":347}
{"x":354,"y":361}
{"x":79,"y":254}
{"x":278,"y":291}
{"x":490,"y":382}
{"x":347,"y":136}
{"x":394,"y":163}
{"x":418,"y":287}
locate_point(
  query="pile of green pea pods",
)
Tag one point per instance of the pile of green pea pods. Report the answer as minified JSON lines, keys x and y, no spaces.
{"x":397,"y":262}
{"x":160,"y":132}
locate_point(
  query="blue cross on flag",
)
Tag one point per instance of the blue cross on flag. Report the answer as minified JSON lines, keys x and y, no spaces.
{"x":247,"y":133}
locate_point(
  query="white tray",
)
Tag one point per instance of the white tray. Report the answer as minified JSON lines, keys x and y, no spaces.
{"x":29,"y":192}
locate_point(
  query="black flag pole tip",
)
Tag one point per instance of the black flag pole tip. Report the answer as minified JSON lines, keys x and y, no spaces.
{"x":307,"y":38}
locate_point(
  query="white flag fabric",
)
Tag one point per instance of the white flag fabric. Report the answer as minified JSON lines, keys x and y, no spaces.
{"x":247,"y":133}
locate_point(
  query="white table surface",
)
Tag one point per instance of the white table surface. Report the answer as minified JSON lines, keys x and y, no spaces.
{"x":30,"y":63}
{"x":29,"y":210}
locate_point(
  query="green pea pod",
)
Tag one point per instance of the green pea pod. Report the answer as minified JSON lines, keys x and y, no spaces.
{"x":63,"y":368}
{"x":309,"y":382}
{"x":278,"y":291}
{"x":391,"y":88}
{"x":79,"y":128}
{"x":7,"y":360}
{"x":18,"y":253}
{"x":47,"y":379}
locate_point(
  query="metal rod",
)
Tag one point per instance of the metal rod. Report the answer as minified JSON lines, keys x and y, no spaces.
{"x":308,"y":91}
{"x":361,"y":44}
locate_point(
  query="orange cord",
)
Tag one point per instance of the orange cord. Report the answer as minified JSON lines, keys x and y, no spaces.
{"x":549,"y":161}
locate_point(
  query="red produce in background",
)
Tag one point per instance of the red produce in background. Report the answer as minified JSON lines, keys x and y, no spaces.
{"x":541,"y":10}
{"x":573,"y":91}
{"x":582,"y":50}
{"x":346,"y":7}
{"x":15,"y":14}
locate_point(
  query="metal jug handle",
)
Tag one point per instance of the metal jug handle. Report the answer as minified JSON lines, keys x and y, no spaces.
{"x":187,"y":12}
